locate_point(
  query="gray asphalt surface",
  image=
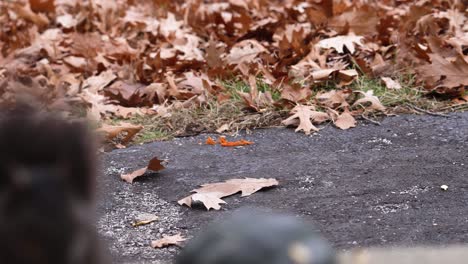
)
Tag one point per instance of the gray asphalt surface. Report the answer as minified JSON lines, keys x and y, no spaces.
{"x":367,"y":186}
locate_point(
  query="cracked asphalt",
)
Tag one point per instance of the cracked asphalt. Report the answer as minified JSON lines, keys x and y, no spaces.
{"x":373,"y":185}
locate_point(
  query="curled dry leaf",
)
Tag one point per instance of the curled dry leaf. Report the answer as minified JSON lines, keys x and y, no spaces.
{"x":307,"y":116}
{"x":223,"y":128}
{"x":168,"y":241}
{"x":112,"y":132}
{"x":390,"y":83}
{"x":223,"y":142}
{"x":154,"y":164}
{"x":210,"y":194}
{"x":144,"y":219}
{"x":370,"y":101}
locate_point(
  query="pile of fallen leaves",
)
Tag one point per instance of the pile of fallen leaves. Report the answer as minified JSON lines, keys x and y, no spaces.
{"x":134,"y":57}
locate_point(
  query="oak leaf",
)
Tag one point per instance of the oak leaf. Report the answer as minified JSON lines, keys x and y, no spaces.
{"x":333,"y":99}
{"x":345,"y":121}
{"x":210,"y":194}
{"x":340,"y":42}
{"x":390,"y":83}
{"x":443,"y":72}
{"x":154,"y":164}
{"x":370,"y":101}
{"x":168,"y":241}
{"x":111,"y":132}
{"x":306,"y":115}
{"x":245,"y":51}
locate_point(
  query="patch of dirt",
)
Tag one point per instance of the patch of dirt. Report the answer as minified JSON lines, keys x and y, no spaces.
{"x":368,"y":186}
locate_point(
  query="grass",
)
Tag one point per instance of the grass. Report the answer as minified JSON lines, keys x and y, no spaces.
{"x":236,"y":85}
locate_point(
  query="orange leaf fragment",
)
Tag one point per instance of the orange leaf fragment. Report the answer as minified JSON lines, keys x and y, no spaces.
{"x":210,"y":141}
{"x":223,"y":142}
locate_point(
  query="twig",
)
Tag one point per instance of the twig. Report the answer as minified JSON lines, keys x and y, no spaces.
{"x":425,"y":111}
{"x":370,"y":120}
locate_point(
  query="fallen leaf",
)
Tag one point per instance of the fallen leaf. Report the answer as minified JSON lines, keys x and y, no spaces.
{"x":390,"y":83}
{"x":245,"y":51}
{"x":154,"y":164}
{"x":223,"y":142}
{"x":345,"y":121}
{"x":210,"y":141}
{"x":144,"y":219}
{"x":223,"y":128}
{"x":210,"y":194}
{"x":333,"y":99}
{"x":340,"y":42}
{"x":111,"y":132}
{"x":443,"y":72}
{"x":306,"y":115}
{"x":67,"y":21}
{"x":370,"y":101}
{"x":168,"y":241}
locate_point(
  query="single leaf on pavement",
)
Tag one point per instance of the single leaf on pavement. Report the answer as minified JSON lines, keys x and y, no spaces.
{"x":306,"y":115}
{"x":210,"y":194}
{"x":168,"y":241}
{"x":223,"y":141}
{"x":154,"y":164}
{"x":210,"y":141}
{"x":144,"y":219}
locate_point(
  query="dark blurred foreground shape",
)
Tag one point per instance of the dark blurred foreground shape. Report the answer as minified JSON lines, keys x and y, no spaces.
{"x":47,"y":181}
{"x":254,"y":237}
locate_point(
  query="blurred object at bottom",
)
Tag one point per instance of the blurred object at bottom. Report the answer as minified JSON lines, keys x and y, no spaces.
{"x":254,"y":237}
{"x":455,"y":254}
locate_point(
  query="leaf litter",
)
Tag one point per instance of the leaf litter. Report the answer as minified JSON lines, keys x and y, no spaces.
{"x":144,"y":60}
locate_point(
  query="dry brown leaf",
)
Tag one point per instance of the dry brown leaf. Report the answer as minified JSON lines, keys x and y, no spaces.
{"x":223,"y":128}
{"x":390,"y":83}
{"x":168,"y":241}
{"x":245,"y":51}
{"x":154,"y":164}
{"x":96,"y":83}
{"x":67,"y":21}
{"x":345,"y":121}
{"x":370,"y":101}
{"x":443,"y":72}
{"x":111,"y":132}
{"x":333,"y":99}
{"x":210,"y":194}
{"x":144,"y":219}
{"x":340,"y":42}
{"x":307,"y":116}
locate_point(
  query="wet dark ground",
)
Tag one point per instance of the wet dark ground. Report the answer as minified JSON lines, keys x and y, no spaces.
{"x":368,"y":186}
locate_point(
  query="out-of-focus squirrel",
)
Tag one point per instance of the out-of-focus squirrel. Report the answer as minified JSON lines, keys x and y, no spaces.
{"x":47,"y":181}
{"x":254,"y":237}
